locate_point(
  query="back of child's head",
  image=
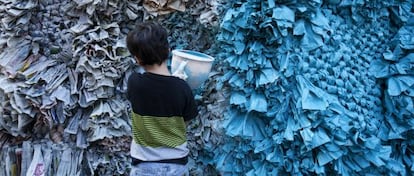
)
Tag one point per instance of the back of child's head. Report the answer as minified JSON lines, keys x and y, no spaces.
{"x":148,"y":42}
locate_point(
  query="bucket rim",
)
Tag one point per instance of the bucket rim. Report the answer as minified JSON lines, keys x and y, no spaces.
{"x":186,"y":54}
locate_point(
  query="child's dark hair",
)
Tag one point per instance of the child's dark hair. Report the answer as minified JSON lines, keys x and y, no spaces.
{"x":148,"y":42}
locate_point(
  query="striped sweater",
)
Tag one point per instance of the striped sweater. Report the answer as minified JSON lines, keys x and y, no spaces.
{"x":160,"y":106}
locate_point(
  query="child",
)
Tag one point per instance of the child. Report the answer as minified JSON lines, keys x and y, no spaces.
{"x":161,"y":104}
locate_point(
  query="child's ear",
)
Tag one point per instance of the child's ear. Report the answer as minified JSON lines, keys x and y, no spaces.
{"x":138,"y":60}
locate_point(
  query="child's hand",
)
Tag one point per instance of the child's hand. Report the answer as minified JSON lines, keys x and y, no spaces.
{"x":180,"y":73}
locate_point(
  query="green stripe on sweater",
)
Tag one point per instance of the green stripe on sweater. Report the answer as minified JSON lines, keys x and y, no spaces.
{"x":151,"y":131}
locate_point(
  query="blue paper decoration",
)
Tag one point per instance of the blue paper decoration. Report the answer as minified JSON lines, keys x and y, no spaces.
{"x":306,"y":88}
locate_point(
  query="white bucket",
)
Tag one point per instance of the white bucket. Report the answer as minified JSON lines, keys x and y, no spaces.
{"x":198,"y":66}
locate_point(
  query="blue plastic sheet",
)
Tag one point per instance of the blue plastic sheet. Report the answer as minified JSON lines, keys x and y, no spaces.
{"x":237,"y":98}
{"x":399,"y":84}
{"x":247,"y":125}
{"x":284,"y":13}
{"x":257,"y":103}
{"x":313,"y":98}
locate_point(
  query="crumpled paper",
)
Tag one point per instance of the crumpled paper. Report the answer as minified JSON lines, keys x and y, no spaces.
{"x":61,"y":82}
{"x":162,"y":7}
{"x":47,"y":158}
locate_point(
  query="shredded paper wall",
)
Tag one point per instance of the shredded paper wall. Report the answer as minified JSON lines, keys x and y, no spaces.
{"x":297,"y":88}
